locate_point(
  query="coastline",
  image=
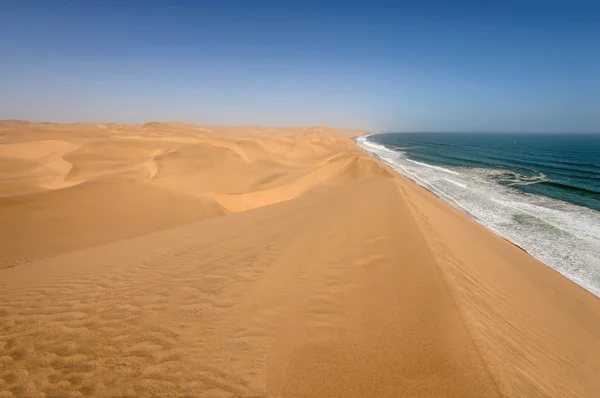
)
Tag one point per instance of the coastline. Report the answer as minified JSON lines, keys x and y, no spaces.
{"x":573,"y":264}
{"x":458,"y":207}
{"x":304,"y":267}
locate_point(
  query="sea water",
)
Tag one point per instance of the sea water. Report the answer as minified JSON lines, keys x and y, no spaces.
{"x":539,"y":191}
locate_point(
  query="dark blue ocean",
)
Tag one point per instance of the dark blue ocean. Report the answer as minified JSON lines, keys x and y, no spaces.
{"x":540,"y":191}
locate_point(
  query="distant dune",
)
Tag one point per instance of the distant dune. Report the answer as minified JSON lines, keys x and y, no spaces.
{"x":169,"y":259}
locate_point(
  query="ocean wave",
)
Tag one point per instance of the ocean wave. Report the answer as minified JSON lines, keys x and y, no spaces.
{"x":571,"y":187}
{"x":456,"y":183}
{"x":365,"y":143}
{"x":442,"y":169}
{"x":511,"y":178}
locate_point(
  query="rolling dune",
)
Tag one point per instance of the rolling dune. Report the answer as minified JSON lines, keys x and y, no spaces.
{"x":169,"y":259}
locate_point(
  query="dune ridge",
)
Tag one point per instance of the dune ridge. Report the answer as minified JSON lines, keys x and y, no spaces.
{"x":171,"y":259}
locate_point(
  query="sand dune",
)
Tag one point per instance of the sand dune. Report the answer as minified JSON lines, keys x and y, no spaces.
{"x":31,"y":166}
{"x":171,"y":259}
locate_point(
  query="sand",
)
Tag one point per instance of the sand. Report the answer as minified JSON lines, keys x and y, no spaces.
{"x":169,"y":259}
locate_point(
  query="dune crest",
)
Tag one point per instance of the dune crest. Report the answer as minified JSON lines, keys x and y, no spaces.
{"x":168,"y":259}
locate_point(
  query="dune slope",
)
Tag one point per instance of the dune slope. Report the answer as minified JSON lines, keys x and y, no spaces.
{"x":203,"y":261}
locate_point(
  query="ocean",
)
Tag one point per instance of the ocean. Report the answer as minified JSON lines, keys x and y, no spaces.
{"x":539,"y":191}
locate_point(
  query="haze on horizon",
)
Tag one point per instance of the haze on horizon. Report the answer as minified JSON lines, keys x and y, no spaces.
{"x":512,"y":66}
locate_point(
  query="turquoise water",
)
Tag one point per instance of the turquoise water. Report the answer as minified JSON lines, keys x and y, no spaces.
{"x":540,"y":191}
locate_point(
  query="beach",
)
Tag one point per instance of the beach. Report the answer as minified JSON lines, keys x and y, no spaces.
{"x":170,"y":259}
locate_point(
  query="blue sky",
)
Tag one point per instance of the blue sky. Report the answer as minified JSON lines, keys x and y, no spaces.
{"x":383,"y":65}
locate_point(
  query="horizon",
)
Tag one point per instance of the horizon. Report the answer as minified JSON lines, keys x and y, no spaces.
{"x":366,"y":131}
{"x":514,"y":67}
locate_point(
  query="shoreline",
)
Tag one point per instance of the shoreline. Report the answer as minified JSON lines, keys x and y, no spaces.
{"x":562,"y":270}
{"x":458,"y":207}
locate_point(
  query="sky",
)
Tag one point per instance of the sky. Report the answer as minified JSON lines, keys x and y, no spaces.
{"x":481,"y":66}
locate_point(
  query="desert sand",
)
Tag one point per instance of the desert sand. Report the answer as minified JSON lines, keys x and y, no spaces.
{"x":169,"y":259}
